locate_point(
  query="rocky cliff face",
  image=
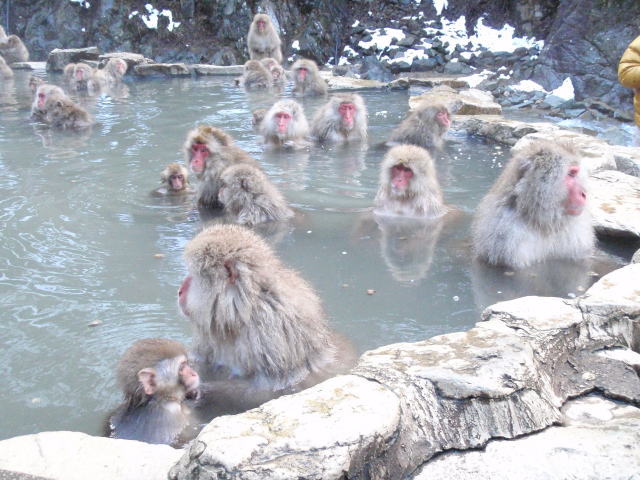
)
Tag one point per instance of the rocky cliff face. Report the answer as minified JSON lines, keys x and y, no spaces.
{"x":583,"y":38}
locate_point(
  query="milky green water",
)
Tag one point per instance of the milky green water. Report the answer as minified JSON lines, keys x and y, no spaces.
{"x":82,"y":240}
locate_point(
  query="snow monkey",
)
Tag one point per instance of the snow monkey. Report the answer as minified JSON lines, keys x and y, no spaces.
{"x":208,"y":151}
{"x":408,"y":184}
{"x":157,"y":381}
{"x":342,"y":119}
{"x":42,"y":93}
{"x":285,"y":125}
{"x":250,"y":198}
{"x":307,"y":78}
{"x":65,"y":114}
{"x":256,"y":76}
{"x":263,"y":40}
{"x":278,"y":76}
{"x":536,"y":209}
{"x":13,"y":50}
{"x":254,"y":318}
{"x":78,"y":75}
{"x":5,"y":70}
{"x":174,"y":179}
{"x":110,"y":75}
{"x":425,"y":127}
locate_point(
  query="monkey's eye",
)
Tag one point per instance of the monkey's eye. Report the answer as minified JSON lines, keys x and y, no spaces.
{"x":573,"y":171}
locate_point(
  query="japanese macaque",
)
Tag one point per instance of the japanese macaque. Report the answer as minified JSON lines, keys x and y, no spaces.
{"x":13,"y":50}
{"x":257,"y":116}
{"x":208,"y":151}
{"x":42,"y":93}
{"x":408,"y":184}
{"x":5,"y":70}
{"x":249,"y":197}
{"x":425,"y":127}
{"x":536,"y":209}
{"x":307,"y":78}
{"x":285,"y":125}
{"x":255,"y":76}
{"x":78,"y":75}
{"x":157,"y":382}
{"x":278,"y":76}
{"x":175,"y":181}
{"x":110,"y":75}
{"x":63,"y":113}
{"x":263,"y":40}
{"x":254,"y":318}
{"x":342,"y":119}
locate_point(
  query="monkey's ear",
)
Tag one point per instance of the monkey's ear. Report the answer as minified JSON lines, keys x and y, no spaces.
{"x":147,"y":378}
{"x":232,"y":271}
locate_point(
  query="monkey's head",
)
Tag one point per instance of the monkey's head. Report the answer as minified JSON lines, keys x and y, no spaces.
{"x":283,"y":116}
{"x":303,"y":67}
{"x":241,"y":180}
{"x":117,"y":66}
{"x":549,"y":183}
{"x":435,"y":112}
{"x":253,"y":66}
{"x":227,"y":265}
{"x":269,"y":62}
{"x":204,"y":142}
{"x":407,"y":171}
{"x":261,"y":21}
{"x":156,"y":367}
{"x":350,"y":107}
{"x":175,"y":176}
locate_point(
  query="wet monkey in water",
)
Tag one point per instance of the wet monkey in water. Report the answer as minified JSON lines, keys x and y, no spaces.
{"x":425,"y":127}
{"x":157,"y":381}
{"x":78,"y":75}
{"x":536,"y":209}
{"x":256,"y":76}
{"x":307,"y":79}
{"x":408,"y":184}
{"x":254,"y":318}
{"x":42,"y":93}
{"x":64,"y":114}
{"x":13,"y":50}
{"x":342,"y":119}
{"x":208,"y":151}
{"x":285,"y":126}
{"x":175,"y":181}
{"x":263,"y":40}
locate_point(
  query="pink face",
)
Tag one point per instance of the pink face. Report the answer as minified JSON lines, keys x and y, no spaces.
{"x":347,"y":112}
{"x":302,"y":73}
{"x":282,"y":120}
{"x":576,"y":196}
{"x":183,"y":291}
{"x":79,"y":74}
{"x":42,"y":98}
{"x":199,"y":154}
{"x":189,"y":378}
{"x":261,"y":25}
{"x":121,"y":67}
{"x":176,"y":181}
{"x":400,"y":177}
{"x":443,"y":118}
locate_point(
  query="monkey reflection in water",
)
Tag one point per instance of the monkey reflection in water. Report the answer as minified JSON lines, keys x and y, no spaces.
{"x":259,"y":328}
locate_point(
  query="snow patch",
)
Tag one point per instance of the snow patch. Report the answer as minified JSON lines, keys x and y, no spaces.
{"x":82,"y":3}
{"x":527,"y":86}
{"x":295,"y":45}
{"x":440,"y":5}
{"x":381,"y":38}
{"x":150,"y":19}
{"x":564,"y":91}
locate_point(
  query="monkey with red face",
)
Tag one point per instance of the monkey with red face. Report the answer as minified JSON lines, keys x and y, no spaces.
{"x":307,"y":78}
{"x":536,"y":210}
{"x":342,"y":119}
{"x":263,"y":40}
{"x":425,"y":127}
{"x":42,"y":93}
{"x":175,"y":181}
{"x":285,"y":126}
{"x":157,"y":381}
{"x":408,"y":184}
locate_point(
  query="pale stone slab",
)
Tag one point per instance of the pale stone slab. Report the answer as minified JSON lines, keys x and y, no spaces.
{"x":29,"y":66}
{"x":627,"y":159}
{"x":600,"y":440}
{"x":321,"y":431}
{"x":465,"y":102}
{"x":59,"y":57}
{"x":167,"y":69}
{"x":404,"y":83}
{"x":500,"y":129}
{"x":615,"y":203}
{"x":205,"y":69}
{"x":348,"y":83}
{"x":77,"y":456}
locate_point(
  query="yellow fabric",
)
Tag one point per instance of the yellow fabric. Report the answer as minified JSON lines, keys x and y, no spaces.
{"x":629,"y":73}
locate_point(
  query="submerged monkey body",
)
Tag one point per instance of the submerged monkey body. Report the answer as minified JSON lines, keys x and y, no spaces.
{"x":255,"y":319}
{"x":537,"y":209}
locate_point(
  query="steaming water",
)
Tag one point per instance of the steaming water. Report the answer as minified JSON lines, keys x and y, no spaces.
{"x":81,"y":237}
